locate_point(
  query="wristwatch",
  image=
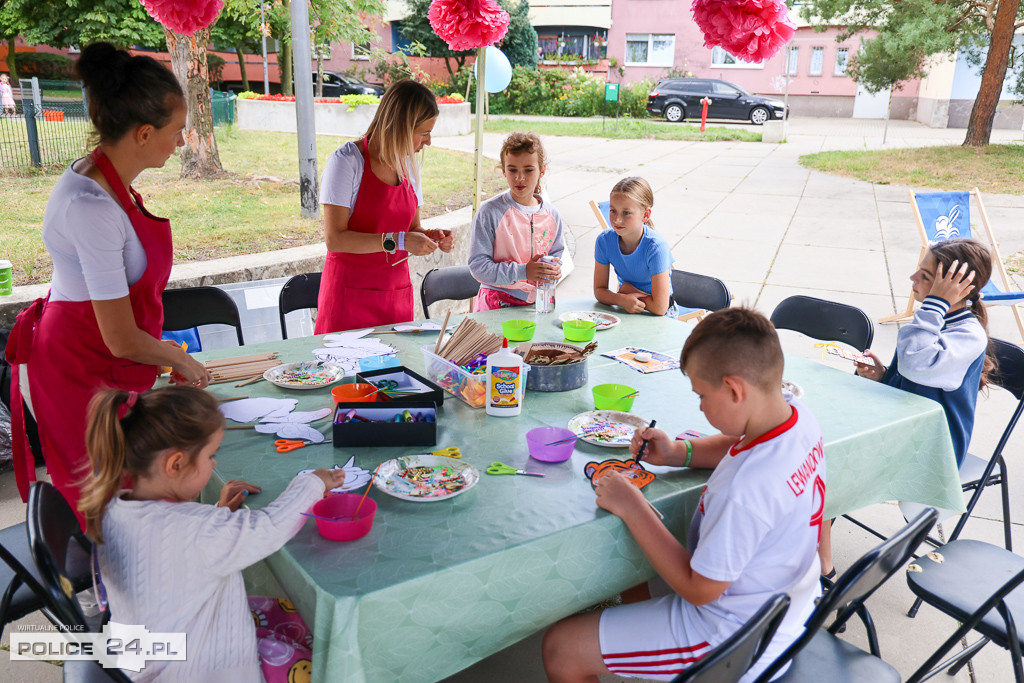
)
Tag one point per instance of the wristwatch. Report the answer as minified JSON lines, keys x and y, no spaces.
{"x":389,"y":243}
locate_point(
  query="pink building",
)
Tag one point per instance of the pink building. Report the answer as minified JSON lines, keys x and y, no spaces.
{"x":652,"y":38}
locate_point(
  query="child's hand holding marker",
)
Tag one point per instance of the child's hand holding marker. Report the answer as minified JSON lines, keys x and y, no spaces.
{"x":873,"y":371}
{"x":234,"y":492}
{"x":659,"y":446}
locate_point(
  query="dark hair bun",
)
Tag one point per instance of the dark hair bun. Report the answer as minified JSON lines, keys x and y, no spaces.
{"x":103,"y":68}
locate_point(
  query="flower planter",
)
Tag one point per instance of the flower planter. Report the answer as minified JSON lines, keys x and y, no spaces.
{"x":336,"y":119}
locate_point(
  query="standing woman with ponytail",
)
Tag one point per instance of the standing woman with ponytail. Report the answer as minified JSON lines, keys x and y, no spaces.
{"x":100,"y":325}
{"x":371,"y":193}
{"x":176,"y":565}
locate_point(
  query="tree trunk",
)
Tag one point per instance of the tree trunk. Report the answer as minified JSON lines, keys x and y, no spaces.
{"x":10,"y":61}
{"x":199,"y":157}
{"x":284,"y":62}
{"x":979,"y":127}
{"x":241,"y":66}
{"x":319,"y":71}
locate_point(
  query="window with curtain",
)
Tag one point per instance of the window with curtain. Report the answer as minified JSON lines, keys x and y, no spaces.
{"x":719,"y":57}
{"x":842,"y":55}
{"x":817,"y":58}
{"x":650,"y":49}
{"x":794,"y":60}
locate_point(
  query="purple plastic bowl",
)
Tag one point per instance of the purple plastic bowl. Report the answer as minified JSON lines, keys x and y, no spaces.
{"x":537,"y":439}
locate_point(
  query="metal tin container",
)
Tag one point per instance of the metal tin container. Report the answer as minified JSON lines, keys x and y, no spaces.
{"x":557,"y":377}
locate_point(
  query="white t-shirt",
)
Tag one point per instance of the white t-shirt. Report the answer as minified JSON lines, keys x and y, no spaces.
{"x":343,"y":173}
{"x":759,"y":523}
{"x":95,"y":251}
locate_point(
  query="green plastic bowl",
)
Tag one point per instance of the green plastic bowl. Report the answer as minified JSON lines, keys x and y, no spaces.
{"x":518,"y":330}
{"x":610,"y":397}
{"x":579,"y":330}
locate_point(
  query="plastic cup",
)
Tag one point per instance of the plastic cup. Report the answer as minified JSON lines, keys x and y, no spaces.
{"x":7,"y":278}
{"x":610,"y":397}
{"x":579,"y":330}
{"x":538,"y":439}
{"x":371,"y":363}
{"x":518,"y":330}
{"x":342,"y":506}
{"x":356,"y":392}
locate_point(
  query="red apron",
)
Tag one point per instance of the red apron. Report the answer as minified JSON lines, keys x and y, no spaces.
{"x":68,"y":362}
{"x":365,"y":290}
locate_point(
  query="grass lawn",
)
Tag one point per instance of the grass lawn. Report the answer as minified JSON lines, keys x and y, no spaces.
{"x":254,"y":208}
{"x":627,"y":129}
{"x":995,"y":168}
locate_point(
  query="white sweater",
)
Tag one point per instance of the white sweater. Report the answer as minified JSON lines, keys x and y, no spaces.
{"x":176,"y":567}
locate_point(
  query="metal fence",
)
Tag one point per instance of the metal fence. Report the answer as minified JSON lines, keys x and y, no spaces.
{"x":49,"y":127}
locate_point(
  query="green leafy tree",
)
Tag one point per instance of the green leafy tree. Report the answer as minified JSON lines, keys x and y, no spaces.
{"x":240,"y":29}
{"x":520,"y":43}
{"x":886,"y":63}
{"x":933,"y":27}
{"x":341,"y":21}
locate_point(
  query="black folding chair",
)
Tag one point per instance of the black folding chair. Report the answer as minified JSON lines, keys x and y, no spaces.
{"x":193,"y":306}
{"x":727,"y":662}
{"x":818,"y":655}
{"x":450,"y":283}
{"x":59,"y":546}
{"x":695,"y":291}
{"x":974,"y":583}
{"x":824,"y":320}
{"x":23,"y":592}
{"x":301,"y":291}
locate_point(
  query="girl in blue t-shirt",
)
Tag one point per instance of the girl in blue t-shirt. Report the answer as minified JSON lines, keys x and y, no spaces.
{"x":641,"y":257}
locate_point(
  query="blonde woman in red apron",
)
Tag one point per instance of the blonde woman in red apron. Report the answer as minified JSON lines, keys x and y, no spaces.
{"x":371,"y":204}
{"x":100,"y":325}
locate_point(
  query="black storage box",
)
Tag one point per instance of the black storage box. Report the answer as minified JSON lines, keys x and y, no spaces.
{"x":408,"y":381}
{"x":386,"y":432}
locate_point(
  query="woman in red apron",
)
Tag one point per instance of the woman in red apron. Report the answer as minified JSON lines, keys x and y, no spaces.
{"x":372,"y":218}
{"x":73,"y":348}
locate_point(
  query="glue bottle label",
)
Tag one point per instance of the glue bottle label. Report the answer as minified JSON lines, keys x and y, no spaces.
{"x":504,"y":389}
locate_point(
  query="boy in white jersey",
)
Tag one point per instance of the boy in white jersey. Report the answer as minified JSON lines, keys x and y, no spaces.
{"x":754,"y":534}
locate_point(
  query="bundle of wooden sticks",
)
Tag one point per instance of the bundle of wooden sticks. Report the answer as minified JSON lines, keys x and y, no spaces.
{"x":469,"y":339}
{"x":241,"y":367}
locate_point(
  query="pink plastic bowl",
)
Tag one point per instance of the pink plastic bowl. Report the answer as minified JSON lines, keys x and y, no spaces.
{"x":537,"y":439}
{"x":343,"y":505}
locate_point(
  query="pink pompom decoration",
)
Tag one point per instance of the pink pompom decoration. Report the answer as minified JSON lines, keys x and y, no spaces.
{"x":468,"y":24}
{"x":184,"y":16}
{"x":751,"y":30}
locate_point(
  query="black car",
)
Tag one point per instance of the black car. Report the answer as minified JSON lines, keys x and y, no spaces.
{"x":679,"y":98}
{"x":336,"y":84}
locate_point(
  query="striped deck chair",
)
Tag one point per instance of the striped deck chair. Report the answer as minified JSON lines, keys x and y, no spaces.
{"x":947,"y":215}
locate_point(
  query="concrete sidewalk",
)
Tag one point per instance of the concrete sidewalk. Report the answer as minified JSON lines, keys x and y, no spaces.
{"x":749,"y":214}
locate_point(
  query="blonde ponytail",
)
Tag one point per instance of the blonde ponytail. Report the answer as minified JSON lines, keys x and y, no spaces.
{"x":128,"y":432}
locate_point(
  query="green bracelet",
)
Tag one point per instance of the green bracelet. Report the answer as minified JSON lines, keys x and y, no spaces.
{"x":689,"y":453}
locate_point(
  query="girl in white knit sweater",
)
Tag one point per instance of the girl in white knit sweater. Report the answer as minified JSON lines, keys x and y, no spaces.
{"x":174,"y":565}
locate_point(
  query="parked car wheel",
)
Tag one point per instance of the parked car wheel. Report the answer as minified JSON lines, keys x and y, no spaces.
{"x":758,"y":115}
{"x":674,"y":112}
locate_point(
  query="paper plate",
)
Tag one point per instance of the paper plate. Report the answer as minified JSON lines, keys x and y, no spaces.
{"x":389,"y":478}
{"x":625,"y":423}
{"x":603,"y":320}
{"x":792,"y":388}
{"x":279,"y":376}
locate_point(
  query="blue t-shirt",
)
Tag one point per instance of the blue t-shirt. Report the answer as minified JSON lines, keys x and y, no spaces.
{"x":651,"y":256}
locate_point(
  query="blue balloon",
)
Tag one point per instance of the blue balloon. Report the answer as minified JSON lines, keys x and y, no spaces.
{"x":497,"y":70}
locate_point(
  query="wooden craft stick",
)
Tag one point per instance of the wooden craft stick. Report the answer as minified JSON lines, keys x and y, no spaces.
{"x":251,"y":380}
{"x":225,"y":399}
{"x":240,"y":427}
{"x":656,"y":510}
{"x":401,"y":260}
{"x":444,"y":327}
{"x":220,"y":362}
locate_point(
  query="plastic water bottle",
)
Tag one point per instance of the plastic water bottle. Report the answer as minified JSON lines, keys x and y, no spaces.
{"x":504,"y":382}
{"x":546,"y":290}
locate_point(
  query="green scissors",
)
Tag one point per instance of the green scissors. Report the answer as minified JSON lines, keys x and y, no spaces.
{"x":502,"y":468}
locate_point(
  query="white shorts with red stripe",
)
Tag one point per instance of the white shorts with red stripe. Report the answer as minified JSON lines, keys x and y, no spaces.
{"x":656,"y":639}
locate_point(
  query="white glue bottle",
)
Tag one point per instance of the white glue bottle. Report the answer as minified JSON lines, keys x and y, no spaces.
{"x":504,"y":382}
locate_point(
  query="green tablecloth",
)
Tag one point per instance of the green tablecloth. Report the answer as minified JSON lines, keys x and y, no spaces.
{"x":437,"y":586}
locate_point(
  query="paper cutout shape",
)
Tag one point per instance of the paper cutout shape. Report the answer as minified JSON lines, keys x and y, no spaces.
{"x":422,"y":327}
{"x":345,"y":338}
{"x":290,"y":430}
{"x":346,"y":349}
{"x":638,"y":476}
{"x":658,"y":361}
{"x":300,"y":417}
{"x":355,"y":477}
{"x":249,"y":409}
